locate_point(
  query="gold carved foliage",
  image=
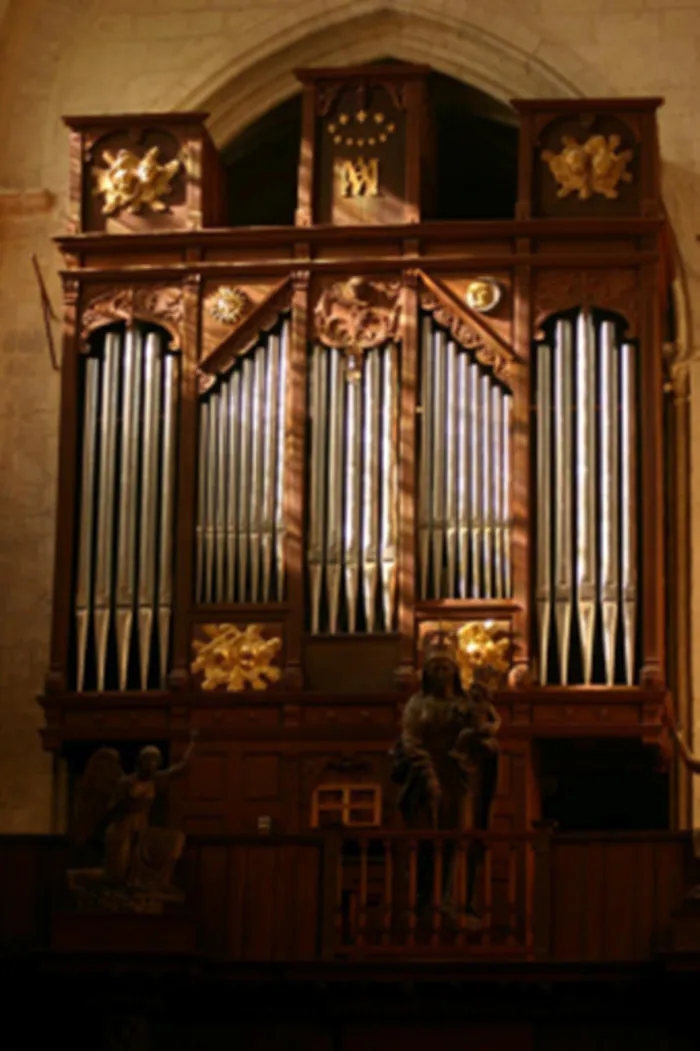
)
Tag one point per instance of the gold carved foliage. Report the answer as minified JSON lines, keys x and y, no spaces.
{"x":160,"y":304}
{"x":358,"y":314}
{"x":235,"y":659}
{"x":131,"y":182}
{"x":593,"y":167}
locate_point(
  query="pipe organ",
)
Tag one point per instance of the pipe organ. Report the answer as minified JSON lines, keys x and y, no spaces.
{"x":587,"y":465}
{"x":123,"y":593}
{"x":240,"y":472}
{"x":287,"y":453}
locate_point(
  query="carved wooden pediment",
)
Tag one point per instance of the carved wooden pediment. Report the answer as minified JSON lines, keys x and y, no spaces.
{"x":159,"y":304}
{"x":251,"y":321}
{"x":467,"y":327}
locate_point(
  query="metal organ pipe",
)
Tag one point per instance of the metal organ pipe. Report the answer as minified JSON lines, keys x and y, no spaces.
{"x":563,"y":496}
{"x":370,"y":493}
{"x":609,"y":495}
{"x":592,"y":484}
{"x":149,"y":501}
{"x":126,"y":554}
{"x":105,"y":512}
{"x":464,"y":470}
{"x":388,"y":472}
{"x":586,"y":496}
{"x":83,"y":593}
{"x":133,"y":483}
{"x":165,"y":547}
{"x":241,"y":478}
{"x":628,"y":460}
{"x":543,"y":596}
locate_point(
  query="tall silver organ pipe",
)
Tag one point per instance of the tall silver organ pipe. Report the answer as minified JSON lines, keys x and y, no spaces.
{"x":587,"y":506}
{"x":241,"y":478}
{"x":351,"y":547}
{"x":563,"y":492}
{"x":543,"y":584}
{"x":125,"y":551}
{"x":463,"y":472}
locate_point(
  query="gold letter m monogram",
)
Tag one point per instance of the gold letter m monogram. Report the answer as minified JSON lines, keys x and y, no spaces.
{"x":360,"y":178}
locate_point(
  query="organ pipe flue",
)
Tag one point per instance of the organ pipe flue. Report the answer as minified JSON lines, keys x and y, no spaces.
{"x":463,"y":472}
{"x":587,"y":514}
{"x":127,"y":474}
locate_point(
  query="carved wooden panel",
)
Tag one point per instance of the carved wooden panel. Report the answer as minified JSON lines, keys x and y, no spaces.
{"x":362,"y":133}
{"x":563,"y":289}
{"x":136,"y":173}
{"x":155,"y":303}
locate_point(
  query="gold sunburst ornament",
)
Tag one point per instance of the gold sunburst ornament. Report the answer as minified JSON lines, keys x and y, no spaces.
{"x":483,"y":654}
{"x":236,"y":659}
{"x":229,"y":305}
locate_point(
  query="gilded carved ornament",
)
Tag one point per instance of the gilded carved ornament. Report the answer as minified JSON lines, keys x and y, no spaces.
{"x":131,"y":182}
{"x":160,"y":304}
{"x":235,"y":658}
{"x":592,"y":167}
{"x":229,"y":305}
{"x":482,"y":653}
{"x":356,"y":315}
{"x":483,"y":294}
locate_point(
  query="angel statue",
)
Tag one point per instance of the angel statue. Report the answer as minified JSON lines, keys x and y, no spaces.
{"x":447,"y":750}
{"x":138,"y":860}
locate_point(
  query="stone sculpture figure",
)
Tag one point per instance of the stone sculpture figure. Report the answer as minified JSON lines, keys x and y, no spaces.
{"x":138,"y":859}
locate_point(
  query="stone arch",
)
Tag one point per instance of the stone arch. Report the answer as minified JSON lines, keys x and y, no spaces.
{"x":174,"y":61}
{"x":460,"y":48}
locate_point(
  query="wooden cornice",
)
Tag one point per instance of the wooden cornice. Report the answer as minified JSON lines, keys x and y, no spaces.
{"x":445,"y":231}
{"x":245,"y":334}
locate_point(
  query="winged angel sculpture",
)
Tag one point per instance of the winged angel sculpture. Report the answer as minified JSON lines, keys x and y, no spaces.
{"x":114,"y":809}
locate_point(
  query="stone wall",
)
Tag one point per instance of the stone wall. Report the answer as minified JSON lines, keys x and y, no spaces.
{"x":236,"y":58}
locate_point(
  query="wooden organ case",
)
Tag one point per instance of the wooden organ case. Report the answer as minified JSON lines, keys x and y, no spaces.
{"x":287,"y":452}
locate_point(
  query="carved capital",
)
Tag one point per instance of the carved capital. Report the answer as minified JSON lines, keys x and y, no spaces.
{"x":159,"y":304}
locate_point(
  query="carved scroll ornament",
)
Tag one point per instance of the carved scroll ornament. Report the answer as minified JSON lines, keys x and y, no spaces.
{"x":161,"y":305}
{"x":592,"y":167}
{"x":356,"y":315}
{"x":486,"y":354}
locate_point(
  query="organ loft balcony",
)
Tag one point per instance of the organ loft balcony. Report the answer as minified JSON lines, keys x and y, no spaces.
{"x":362,"y":493}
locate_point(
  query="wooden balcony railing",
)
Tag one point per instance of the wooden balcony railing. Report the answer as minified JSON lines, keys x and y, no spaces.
{"x":581,"y":897}
{"x":426,"y":893}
